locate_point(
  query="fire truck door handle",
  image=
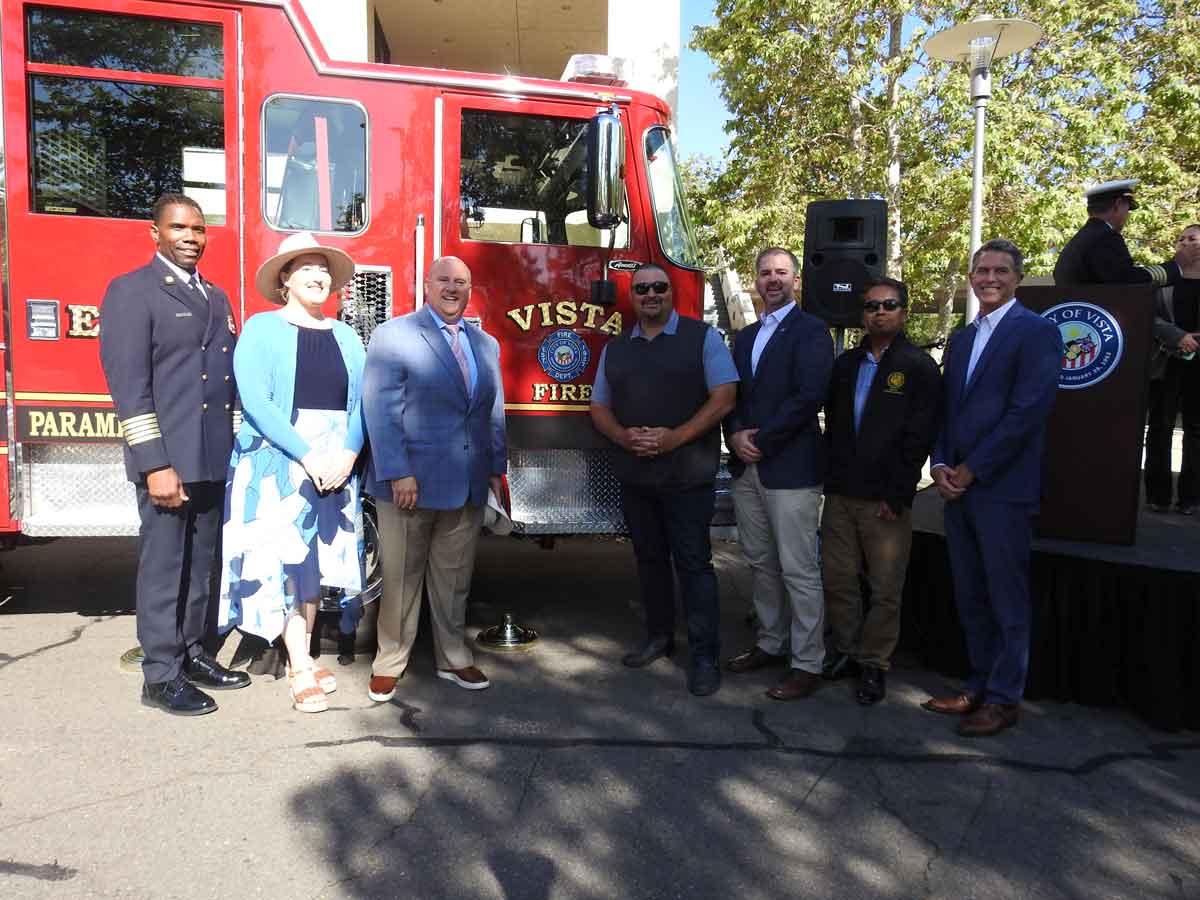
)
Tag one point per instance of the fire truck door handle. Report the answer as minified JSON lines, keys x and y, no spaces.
{"x":419,"y":268}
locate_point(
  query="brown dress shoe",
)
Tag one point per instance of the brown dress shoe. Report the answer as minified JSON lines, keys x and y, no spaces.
{"x":795,"y":685}
{"x":959,"y":705}
{"x":470,"y":678}
{"x":989,"y":719}
{"x":752,"y":659}
{"x":382,"y":688}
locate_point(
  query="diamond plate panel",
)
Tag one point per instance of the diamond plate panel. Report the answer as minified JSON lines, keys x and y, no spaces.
{"x":367,"y":300}
{"x":76,"y":490}
{"x":564,"y":492}
{"x":576,"y":492}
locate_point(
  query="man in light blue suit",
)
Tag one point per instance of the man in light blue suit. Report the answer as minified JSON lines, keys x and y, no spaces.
{"x":433,"y":400}
{"x":1000,"y":382}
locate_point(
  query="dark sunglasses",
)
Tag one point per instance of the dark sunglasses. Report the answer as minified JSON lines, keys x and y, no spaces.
{"x":889,"y":305}
{"x":660,"y":287}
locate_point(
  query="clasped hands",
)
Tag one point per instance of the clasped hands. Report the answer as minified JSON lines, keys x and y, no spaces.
{"x":742,"y":443}
{"x":644,"y":440}
{"x":952,"y":483}
{"x":329,"y":470}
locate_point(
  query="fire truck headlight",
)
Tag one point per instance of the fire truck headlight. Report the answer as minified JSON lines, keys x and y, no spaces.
{"x":42,"y":316}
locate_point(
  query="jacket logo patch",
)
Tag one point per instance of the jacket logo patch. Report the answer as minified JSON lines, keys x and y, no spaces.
{"x":232,"y":326}
{"x":895,"y":383}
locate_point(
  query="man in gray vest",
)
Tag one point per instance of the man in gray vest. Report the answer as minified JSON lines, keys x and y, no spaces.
{"x":661,"y":391}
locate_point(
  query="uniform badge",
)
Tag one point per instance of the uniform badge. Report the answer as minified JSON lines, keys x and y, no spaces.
{"x":168,"y":279}
{"x":1092,"y":343}
{"x":895,"y":383}
{"x":563,"y":355}
{"x":232,"y":326}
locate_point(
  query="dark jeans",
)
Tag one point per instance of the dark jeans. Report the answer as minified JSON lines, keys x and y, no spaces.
{"x":668,"y":526}
{"x":1178,"y":391}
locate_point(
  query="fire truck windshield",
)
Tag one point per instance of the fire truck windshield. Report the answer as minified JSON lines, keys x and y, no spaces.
{"x":522,"y":181}
{"x":670,"y":209}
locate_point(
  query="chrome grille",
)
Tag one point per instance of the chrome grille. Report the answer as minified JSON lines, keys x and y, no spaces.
{"x":367,"y":300}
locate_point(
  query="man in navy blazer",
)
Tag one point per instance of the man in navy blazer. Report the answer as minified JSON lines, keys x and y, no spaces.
{"x":433,"y":402}
{"x":1000,"y":382}
{"x":784,"y":363}
{"x":167,"y":350}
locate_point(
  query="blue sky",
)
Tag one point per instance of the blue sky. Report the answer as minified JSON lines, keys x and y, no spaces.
{"x":701,"y":113}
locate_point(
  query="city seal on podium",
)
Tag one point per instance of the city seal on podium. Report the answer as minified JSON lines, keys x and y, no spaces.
{"x":564,"y":355}
{"x":1092,"y":343}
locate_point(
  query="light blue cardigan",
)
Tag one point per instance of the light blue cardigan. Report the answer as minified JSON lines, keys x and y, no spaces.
{"x":264,"y":363}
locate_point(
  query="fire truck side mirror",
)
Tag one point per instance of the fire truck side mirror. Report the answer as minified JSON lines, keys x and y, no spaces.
{"x":606,"y":170}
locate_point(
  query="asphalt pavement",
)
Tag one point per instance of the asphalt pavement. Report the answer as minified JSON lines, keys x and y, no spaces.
{"x":572,"y":777}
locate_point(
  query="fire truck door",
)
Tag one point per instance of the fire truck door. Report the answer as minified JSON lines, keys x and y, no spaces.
{"x":109,"y":111}
{"x":513,"y":207}
{"x":103,"y":113}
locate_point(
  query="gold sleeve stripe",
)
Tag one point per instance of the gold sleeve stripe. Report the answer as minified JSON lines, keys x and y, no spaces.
{"x":237,"y":419}
{"x":1158,"y":274}
{"x":134,"y":440}
{"x":143,"y":419}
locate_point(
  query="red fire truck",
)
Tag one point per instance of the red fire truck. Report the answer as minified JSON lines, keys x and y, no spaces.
{"x":108,"y":103}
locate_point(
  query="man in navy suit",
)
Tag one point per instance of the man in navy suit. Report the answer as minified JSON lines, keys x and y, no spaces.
{"x":167,"y":350}
{"x":1000,"y":382}
{"x":433,"y":403}
{"x":784,"y":363}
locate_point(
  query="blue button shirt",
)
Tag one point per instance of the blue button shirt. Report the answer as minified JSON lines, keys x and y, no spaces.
{"x":718,"y":362}
{"x":862,"y":387}
{"x":463,"y":341}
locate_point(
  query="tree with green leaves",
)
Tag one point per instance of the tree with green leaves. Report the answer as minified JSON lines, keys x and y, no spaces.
{"x":833,"y":100}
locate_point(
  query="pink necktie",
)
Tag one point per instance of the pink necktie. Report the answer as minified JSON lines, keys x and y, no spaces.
{"x":457,"y":350}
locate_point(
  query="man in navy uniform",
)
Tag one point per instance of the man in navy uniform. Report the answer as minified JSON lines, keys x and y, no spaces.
{"x":1097,"y":253}
{"x":166,"y":343}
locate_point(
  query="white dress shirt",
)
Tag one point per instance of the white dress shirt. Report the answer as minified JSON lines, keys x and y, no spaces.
{"x":769,"y":324}
{"x":185,"y":277}
{"x":986,"y":326}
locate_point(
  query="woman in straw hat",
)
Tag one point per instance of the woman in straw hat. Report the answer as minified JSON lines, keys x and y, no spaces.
{"x":293,"y":518}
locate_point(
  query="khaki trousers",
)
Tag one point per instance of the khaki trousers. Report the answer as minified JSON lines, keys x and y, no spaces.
{"x":778,"y":533}
{"x":435,"y":549}
{"x":853,"y":537}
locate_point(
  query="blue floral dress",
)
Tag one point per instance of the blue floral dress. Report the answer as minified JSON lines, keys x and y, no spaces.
{"x":282,"y":539}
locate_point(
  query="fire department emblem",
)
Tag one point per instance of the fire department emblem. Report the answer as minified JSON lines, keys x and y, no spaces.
{"x":564,"y":355}
{"x":1092,"y":343}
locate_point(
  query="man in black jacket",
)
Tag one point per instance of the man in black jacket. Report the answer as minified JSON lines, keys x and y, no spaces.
{"x":1097,"y":253}
{"x":881,"y":420}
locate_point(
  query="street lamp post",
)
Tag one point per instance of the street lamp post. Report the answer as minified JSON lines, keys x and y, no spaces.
{"x":977,"y":43}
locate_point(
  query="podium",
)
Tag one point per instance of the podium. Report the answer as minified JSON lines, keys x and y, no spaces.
{"x":1091,"y":471}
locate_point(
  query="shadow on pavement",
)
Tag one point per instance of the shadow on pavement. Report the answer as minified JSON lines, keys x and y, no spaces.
{"x":574,"y":777}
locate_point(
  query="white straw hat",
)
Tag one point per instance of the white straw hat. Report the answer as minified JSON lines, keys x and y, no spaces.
{"x":341,"y":266}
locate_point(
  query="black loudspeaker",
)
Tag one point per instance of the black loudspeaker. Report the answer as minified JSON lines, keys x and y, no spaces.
{"x":845,"y":245}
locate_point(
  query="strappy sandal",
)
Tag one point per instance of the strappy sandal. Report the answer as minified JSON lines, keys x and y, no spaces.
{"x":307,"y":696}
{"x":326,"y":679}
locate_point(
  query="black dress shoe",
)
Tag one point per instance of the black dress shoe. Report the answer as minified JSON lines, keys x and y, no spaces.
{"x":655,"y":647}
{"x":872,"y":686}
{"x":205,"y":670}
{"x":704,"y":677}
{"x":839,"y":665}
{"x":179,"y":697}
